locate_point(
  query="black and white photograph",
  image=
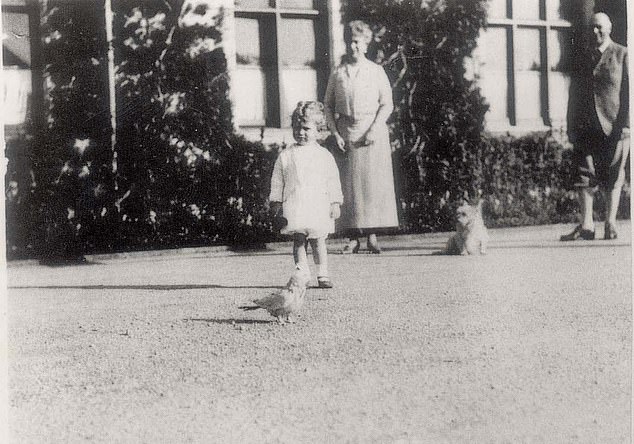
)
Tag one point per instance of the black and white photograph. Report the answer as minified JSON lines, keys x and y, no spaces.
{"x":315,"y":221}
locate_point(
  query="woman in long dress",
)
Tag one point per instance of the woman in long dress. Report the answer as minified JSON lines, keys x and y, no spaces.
{"x":358,"y":103}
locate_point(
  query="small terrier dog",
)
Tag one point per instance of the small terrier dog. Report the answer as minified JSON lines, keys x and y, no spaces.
{"x":286,"y":301}
{"x":471,"y":235}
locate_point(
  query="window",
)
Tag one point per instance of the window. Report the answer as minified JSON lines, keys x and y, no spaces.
{"x":524,"y":55}
{"x":282,"y":58}
{"x":15,"y":90}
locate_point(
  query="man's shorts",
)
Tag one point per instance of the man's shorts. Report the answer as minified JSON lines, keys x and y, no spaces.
{"x":600,"y":160}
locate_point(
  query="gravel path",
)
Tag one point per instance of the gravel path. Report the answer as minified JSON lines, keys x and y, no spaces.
{"x":531,"y":343}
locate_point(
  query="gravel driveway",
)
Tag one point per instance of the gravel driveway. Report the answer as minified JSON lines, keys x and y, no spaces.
{"x":531,"y":343}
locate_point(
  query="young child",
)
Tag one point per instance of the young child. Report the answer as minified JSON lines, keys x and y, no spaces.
{"x":305,"y":185}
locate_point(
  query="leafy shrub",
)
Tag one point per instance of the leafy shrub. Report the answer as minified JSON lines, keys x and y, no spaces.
{"x":185,"y":178}
{"x":20,"y":208}
{"x":174,"y":124}
{"x":72,"y":157}
{"x":523,"y":181}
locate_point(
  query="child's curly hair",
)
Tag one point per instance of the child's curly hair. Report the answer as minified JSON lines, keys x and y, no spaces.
{"x":309,"y":111}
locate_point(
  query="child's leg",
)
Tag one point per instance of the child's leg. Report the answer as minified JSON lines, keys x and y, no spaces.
{"x":320,"y":255}
{"x":299,"y":251}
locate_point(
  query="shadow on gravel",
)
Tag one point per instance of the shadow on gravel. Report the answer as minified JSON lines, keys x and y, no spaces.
{"x":508,"y":245}
{"x":231,"y":321}
{"x":68,"y":263}
{"x":141,"y":287}
{"x":255,"y":253}
{"x":557,"y":244}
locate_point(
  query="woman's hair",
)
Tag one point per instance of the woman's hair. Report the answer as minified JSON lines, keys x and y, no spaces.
{"x":309,"y":111}
{"x":357,"y":28}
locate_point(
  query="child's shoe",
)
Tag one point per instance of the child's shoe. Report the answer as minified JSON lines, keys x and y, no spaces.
{"x":324,"y":282}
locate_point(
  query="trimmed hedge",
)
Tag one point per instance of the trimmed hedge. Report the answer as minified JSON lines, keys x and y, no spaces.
{"x":523,"y":181}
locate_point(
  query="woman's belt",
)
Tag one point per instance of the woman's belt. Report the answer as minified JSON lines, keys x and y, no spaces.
{"x":351,"y":120}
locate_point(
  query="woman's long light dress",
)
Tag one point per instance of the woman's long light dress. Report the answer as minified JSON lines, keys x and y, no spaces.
{"x":355,"y":98}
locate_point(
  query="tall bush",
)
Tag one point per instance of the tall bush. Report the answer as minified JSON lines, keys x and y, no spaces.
{"x":72,"y":156}
{"x":185,"y":178}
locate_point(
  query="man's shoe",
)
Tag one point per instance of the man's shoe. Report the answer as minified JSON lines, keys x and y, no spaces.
{"x":578,"y":233}
{"x":610,"y":232}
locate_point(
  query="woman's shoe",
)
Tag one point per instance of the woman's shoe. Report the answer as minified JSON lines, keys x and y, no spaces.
{"x":373,"y":244}
{"x":374,"y":248}
{"x":352,"y":247}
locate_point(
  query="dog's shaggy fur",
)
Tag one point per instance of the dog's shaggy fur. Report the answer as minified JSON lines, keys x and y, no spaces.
{"x":471,"y":235}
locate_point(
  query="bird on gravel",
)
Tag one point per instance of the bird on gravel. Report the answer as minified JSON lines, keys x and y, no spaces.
{"x":286,"y":301}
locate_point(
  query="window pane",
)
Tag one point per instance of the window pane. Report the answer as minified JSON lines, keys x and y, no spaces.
{"x":298,"y":56}
{"x":527,"y":98}
{"x":559,"y":50}
{"x":558,"y":86}
{"x":250,"y":96}
{"x":253,"y":4}
{"x":297,"y":85}
{"x":528,"y":77}
{"x":526,"y":9}
{"x":297,"y":43}
{"x":248,"y":45}
{"x":497,"y":8}
{"x":527,"y":50}
{"x":554,"y":11}
{"x":16,"y":90}
{"x":15,"y":46}
{"x":251,"y":79}
{"x":495,"y":49}
{"x":559,"y":47}
{"x":494,"y":75}
{"x":297,"y":4}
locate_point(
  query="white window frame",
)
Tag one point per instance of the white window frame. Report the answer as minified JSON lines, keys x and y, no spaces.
{"x":545,"y":25}
{"x":329,"y":16}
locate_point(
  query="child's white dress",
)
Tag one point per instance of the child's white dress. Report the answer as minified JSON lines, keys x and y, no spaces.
{"x":306,"y":180}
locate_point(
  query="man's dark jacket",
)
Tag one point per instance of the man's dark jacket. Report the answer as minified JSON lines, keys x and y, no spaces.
{"x":602,"y":89}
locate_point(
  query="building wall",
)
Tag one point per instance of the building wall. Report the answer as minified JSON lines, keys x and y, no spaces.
{"x":280,"y":54}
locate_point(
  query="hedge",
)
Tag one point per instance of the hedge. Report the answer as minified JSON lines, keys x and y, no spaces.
{"x":523,"y":181}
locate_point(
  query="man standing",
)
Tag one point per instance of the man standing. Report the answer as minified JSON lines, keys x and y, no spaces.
{"x":598,"y":126}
